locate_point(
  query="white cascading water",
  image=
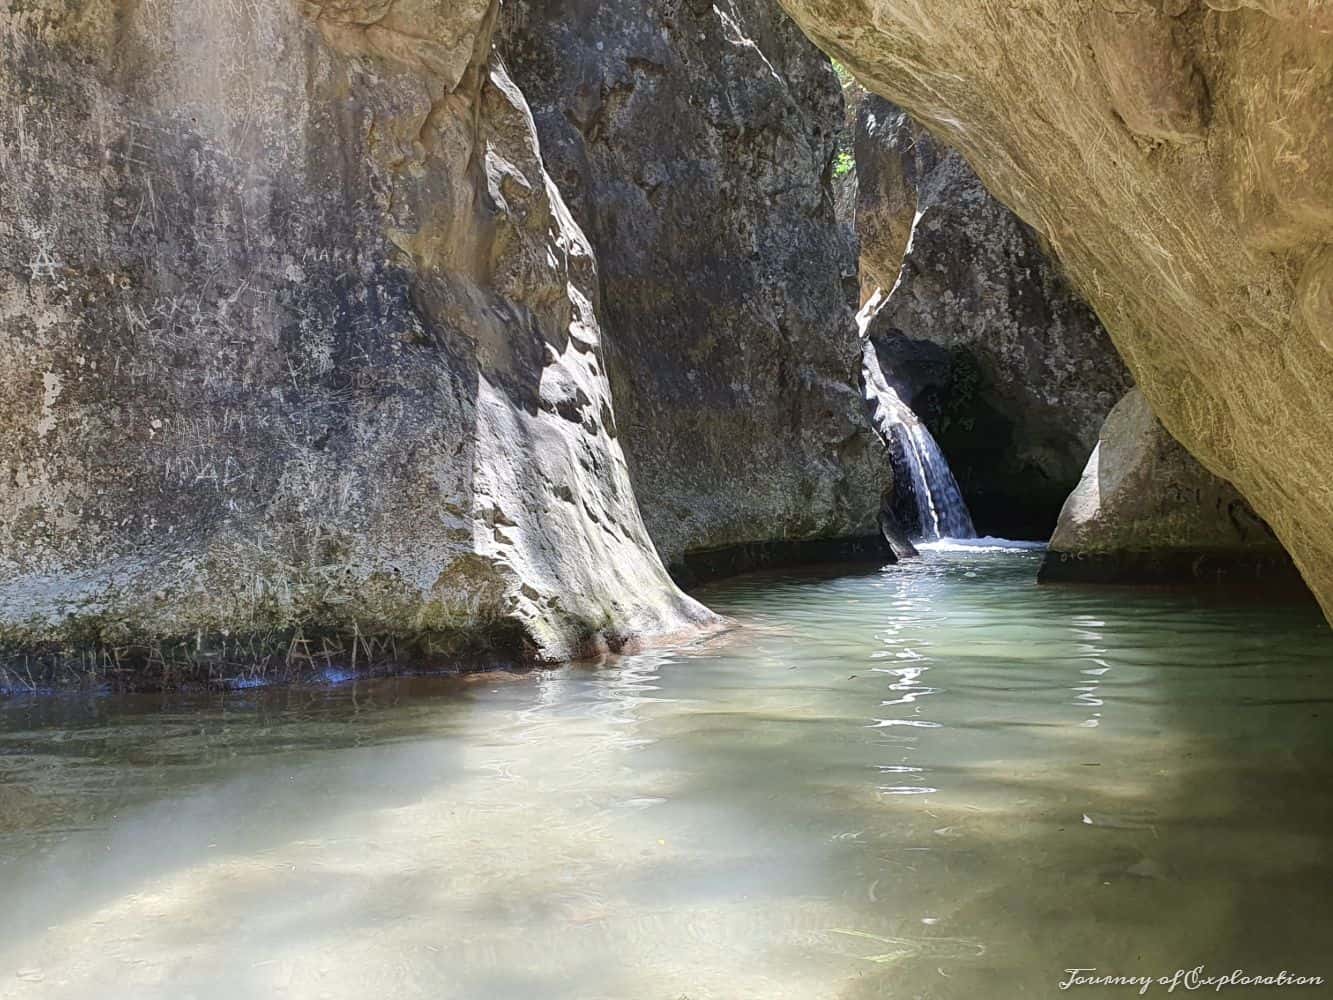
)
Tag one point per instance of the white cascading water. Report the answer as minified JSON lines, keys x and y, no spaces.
{"x":943,"y":514}
{"x":940,"y":507}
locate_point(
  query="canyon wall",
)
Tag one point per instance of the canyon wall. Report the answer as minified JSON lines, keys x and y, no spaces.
{"x":1176,"y":155}
{"x":1146,"y":512}
{"x":982,"y":337}
{"x":300,"y":346}
{"x":695,"y":145}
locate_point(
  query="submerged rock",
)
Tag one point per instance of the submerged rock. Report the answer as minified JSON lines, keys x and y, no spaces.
{"x":981,"y":337}
{"x":298,"y":338}
{"x":695,"y":143}
{"x":1178,"y":158}
{"x":1147,"y":512}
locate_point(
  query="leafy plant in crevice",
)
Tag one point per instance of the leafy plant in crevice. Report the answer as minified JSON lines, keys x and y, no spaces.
{"x":844,"y":160}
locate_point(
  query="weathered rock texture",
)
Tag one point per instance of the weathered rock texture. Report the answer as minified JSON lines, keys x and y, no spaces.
{"x":1147,"y":512}
{"x":845,"y":186}
{"x":981,"y":336}
{"x":297,"y":336}
{"x":694,"y":143}
{"x":1178,"y":157}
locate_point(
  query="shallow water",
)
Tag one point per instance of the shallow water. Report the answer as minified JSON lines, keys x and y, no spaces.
{"x":932,"y":780}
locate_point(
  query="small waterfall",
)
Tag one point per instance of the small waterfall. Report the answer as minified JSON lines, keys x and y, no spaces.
{"x":935,"y":508}
{"x":941,"y":512}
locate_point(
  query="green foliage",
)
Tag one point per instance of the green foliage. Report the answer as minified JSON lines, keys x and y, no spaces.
{"x":844,"y":74}
{"x":843,"y":164}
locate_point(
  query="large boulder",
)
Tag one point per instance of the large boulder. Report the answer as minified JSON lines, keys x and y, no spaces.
{"x":695,"y":145}
{"x":300,"y":351}
{"x":1147,"y":512}
{"x":1178,"y":157}
{"x":981,"y":335}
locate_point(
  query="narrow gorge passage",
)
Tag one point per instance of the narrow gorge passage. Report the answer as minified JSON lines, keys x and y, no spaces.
{"x":633,"y":500}
{"x":935,"y":779}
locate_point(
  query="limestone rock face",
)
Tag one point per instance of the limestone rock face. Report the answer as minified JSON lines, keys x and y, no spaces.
{"x":1178,"y":157}
{"x":1146,"y":512}
{"x":694,"y":143}
{"x":981,"y":336}
{"x":296,"y":335}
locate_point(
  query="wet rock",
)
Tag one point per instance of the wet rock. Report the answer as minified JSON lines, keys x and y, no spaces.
{"x":298,"y":337}
{"x":925,"y":503}
{"x":894,"y":534}
{"x":695,"y":144}
{"x":981,"y":337}
{"x":1147,"y":512}
{"x":1184,"y":178}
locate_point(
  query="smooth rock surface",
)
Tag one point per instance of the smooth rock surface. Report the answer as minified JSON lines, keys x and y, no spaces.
{"x":298,"y":338}
{"x":982,"y":336}
{"x":1178,"y":157}
{"x":1147,"y":512}
{"x":695,"y":145}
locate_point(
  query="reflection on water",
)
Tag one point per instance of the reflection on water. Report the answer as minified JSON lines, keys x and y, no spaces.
{"x":935,"y":780}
